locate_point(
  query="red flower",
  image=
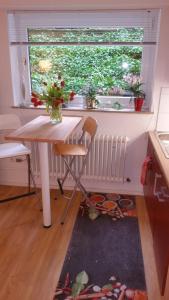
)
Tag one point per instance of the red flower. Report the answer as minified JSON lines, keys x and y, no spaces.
{"x":62,"y":83}
{"x":52,"y":95}
{"x":72,"y":94}
{"x":35,"y":104}
{"x":34,"y":100}
{"x":56,"y":102}
{"x":34,"y":94}
{"x":40,"y":102}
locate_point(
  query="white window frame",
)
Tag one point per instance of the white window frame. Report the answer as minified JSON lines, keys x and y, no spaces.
{"x":20,"y":56}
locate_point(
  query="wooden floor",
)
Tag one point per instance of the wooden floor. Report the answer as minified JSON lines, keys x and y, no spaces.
{"x":31,"y":257}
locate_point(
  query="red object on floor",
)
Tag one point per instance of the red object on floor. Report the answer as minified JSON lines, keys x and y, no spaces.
{"x":140,"y":295}
{"x":145,"y":167}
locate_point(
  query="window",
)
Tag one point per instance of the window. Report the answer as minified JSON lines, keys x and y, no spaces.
{"x":84,"y":47}
{"x":99,"y":63}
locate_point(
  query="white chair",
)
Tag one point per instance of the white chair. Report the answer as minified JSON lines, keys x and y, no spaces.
{"x":9,"y":122}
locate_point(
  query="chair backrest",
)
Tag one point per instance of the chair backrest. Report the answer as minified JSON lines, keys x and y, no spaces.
{"x":90,"y":126}
{"x":9,"y":122}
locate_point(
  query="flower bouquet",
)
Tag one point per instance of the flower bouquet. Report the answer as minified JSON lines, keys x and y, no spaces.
{"x":53,"y":97}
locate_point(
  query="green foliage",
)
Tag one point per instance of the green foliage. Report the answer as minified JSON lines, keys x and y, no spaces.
{"x":134,"y":85}
{"x":108,"y":287}
{"x":136,"y":90}
{"x":82,"y":277}
{"x":77,"y":288}
{"x":110,"y":34}
{"x":93,"y":213}
{"x":89,"y":91}
{"x":101,"y":66}
{"x":80,"y":281}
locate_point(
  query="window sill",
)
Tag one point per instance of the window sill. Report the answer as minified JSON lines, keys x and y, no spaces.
{"x":104,"y":110}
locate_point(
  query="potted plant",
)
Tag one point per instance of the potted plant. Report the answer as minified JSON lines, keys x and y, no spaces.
{"x":89,"y":91}
{"x":134,"y":85}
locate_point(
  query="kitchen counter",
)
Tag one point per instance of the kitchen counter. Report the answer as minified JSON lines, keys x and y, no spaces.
{"x":162,"y":160}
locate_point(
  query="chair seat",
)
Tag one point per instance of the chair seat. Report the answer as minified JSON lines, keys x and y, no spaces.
{"x":13,"y":149}
{"x":70,"y":149}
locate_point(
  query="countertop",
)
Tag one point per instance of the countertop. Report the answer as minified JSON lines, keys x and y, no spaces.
{"x":163,"y":161}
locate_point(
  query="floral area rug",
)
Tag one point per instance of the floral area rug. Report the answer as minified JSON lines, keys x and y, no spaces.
{"x":104,"y":258}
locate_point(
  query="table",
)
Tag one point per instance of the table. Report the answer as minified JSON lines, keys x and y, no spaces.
{"x":41,"y":130}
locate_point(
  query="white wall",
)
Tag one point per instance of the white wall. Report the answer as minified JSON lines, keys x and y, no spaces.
{"x":134,"y":125}
{"x":163,"y":113}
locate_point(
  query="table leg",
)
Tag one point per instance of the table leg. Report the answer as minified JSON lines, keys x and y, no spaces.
{"x":44,"y":171}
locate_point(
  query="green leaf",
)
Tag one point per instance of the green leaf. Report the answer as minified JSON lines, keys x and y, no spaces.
{"x":77,"y":288}
{"x":93,"y":213}
{"x":107,"y":287}
{"x":82,"y":278}
{"x":78,"y":63}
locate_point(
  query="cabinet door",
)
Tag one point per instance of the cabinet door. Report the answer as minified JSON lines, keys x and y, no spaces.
{"x":161,"y":230}
{"x":157,"y":201}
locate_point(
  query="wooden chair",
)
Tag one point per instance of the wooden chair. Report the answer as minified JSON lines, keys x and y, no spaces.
{"x":73,"y":151}
{"x":9,"y":122}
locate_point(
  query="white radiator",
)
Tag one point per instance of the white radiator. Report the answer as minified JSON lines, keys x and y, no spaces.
{"x":106,"y":160}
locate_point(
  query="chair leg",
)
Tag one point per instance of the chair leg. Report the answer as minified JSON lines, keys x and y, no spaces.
{"x":77,"y":179}
{"x":68,"y":204}
{"x":30,"y":176}
{"x":77,"y":184}
{"x":61,"y":181}
{"x":29,"y":172}
{"x":60,"y":186}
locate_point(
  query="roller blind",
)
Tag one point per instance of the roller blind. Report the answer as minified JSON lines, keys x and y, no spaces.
{"x":87,"y":28}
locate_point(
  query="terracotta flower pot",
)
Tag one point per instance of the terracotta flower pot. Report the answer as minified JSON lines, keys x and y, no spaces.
{"x":138,"y":103}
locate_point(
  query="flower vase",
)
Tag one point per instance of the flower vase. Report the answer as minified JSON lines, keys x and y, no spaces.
{"x":138,"y":103}
{"x":55,"y":114}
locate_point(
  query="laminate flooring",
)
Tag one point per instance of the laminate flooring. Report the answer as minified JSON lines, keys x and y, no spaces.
{"x":31,"y":257}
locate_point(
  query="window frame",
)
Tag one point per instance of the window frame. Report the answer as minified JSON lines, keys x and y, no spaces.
{"x":20,"y":54}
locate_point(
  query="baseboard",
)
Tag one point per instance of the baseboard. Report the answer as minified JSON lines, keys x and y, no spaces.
{"x":90,"y":185}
